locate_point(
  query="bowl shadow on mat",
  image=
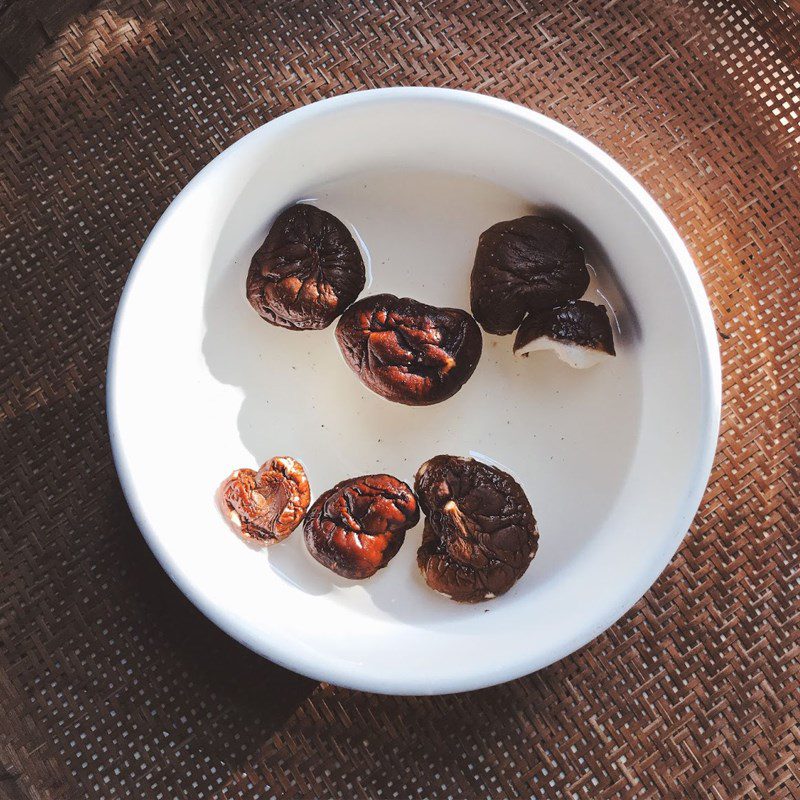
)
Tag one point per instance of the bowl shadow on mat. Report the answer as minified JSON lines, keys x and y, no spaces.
{"x":258,"y":694}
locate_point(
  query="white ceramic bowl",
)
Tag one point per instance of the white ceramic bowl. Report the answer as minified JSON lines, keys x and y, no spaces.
{"x":614,"y":459}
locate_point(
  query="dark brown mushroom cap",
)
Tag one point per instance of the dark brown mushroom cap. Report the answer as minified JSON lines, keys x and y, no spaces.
{"x":480,"y":533}
{"x":307,"y":271}
{"x":269,"y":504}
{"x":461,"y":582}
{"x":407,"y":351}
{"x":576,"y":322}
{"x":358,"y":526}
{"x":522,"y":265}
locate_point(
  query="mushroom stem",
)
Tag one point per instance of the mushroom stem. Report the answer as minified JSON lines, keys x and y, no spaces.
{"x":457,"y":516}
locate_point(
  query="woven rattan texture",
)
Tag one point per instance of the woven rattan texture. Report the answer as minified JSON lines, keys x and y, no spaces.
{"x":112,"y":685}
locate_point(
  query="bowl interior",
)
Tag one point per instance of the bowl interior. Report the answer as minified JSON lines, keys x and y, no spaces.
{"x":612,"y":458}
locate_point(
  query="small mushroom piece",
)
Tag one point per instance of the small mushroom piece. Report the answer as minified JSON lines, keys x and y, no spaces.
{"x":480,"y":534}
{"x":307,"y":271}
{"x":357,"y":527}
{"x":269,"y":504}
{"x":578,"y":332}
{"x":522,"y":265}
{"x":407,"y":351}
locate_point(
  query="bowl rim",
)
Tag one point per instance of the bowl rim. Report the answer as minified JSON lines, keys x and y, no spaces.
{"x":710,"y":375}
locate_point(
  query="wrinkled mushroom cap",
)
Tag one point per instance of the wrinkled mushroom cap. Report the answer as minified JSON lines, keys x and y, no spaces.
{"x":307,"y":271}
{"x":269,"y":504}
{"x":357,"y":527}
{"x":409,"y":352}
{"x":522,"y":265}
{"x":578,"y":332}
{"x":480,"y":534}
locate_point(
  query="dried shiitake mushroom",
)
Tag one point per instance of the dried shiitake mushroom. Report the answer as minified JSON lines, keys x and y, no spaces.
{"x":480,"y":534}
{"x":269,"y":504}
{"x":357,"y":527}
{"x":407,"y":351}
{"x":578,"y":332}
{"x":308,"y":270}
{"x":522,"y":265}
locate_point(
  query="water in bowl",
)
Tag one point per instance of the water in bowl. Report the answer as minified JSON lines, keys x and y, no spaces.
{"x":567,"y":435}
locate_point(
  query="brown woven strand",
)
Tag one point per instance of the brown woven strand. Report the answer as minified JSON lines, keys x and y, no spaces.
{"x":111,"y":684}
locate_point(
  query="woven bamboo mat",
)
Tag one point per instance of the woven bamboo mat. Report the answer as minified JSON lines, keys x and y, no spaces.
{"x":111,"y":684}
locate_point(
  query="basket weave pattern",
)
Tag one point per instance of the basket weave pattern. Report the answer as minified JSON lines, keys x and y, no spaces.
{"x":111,"y":683}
